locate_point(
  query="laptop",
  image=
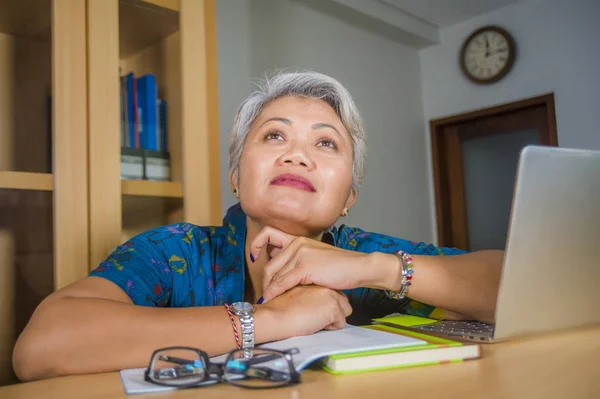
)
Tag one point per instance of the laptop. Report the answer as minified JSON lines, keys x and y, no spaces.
{"x":551,"y":272}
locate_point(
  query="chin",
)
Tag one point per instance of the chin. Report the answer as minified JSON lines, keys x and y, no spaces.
{"x":290,"y":216}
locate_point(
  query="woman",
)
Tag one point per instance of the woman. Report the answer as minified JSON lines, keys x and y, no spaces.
{"x":297,"y":158}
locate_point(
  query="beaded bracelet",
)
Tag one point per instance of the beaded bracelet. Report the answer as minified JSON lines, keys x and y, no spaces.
{"x":235,"y":333}
{"x":407,"y":271}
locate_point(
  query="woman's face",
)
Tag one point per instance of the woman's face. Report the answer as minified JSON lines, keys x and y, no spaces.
{"x":296,"y":167}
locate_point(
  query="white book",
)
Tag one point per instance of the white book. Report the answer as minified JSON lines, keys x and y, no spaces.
{"x":311,"y":348}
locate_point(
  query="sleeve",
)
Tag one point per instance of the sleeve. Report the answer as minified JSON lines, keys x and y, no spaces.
{"x":372,"y":303}
{"x":141,"y":269}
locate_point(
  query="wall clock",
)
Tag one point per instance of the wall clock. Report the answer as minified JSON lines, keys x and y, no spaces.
{"x":487,"y":55}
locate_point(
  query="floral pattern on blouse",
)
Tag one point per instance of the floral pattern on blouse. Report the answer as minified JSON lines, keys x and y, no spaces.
{"x":182,"y":265}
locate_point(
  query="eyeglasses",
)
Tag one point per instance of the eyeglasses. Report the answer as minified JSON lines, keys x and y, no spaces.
{"x":183,"y":367}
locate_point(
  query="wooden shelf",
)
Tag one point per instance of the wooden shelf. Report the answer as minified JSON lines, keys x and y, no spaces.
{"x":26,"y":18}
{"x":172,"y":5}
{"x":150,"y":188}
{"x":26,"y":181}
{"x":144,"y":23}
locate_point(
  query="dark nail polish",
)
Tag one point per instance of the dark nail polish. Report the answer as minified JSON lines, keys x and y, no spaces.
{"x":252,"y":258}
{"x":260,"y":300}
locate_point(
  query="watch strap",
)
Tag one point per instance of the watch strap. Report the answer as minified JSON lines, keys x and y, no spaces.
{"x":246,"y":318}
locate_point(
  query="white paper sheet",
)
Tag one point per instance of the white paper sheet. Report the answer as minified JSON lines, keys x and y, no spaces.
{"x":312,"y":347}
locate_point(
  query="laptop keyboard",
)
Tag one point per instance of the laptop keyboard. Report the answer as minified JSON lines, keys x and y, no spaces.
{"x":472,"y":330}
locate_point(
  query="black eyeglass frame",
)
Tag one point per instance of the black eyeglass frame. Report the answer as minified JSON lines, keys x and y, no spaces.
{"x":215,"y":371}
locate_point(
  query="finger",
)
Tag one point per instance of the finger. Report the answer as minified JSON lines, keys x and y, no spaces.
{"x":345,"y":305}
{"x":281,"y":264}
{"x":338,"y":324}
{"x":332,"y":327}
{"x":284,"y":281}
{"x":268,"y":236}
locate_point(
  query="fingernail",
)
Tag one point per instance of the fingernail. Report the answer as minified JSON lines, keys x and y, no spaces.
{"x":260,"y":300}
{"x":252,"y":258}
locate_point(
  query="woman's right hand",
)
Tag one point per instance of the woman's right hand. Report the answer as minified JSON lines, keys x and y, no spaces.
{"x":304,"y":310}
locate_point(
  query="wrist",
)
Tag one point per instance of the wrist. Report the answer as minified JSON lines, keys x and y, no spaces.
{"x":385,"y":272}
{"x":267,"y":325}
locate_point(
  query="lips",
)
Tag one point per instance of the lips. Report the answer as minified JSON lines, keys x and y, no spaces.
{"x":295,"y":181}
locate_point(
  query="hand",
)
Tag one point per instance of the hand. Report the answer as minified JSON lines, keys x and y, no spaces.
{"x":304,"y":310}
{"x":300,"y":260}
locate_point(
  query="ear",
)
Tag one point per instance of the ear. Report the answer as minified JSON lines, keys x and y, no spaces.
{"x":352,"y":197}
{"x":233,"y":179}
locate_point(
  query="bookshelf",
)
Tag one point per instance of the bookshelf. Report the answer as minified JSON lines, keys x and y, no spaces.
{"x":43,"y":158}
{"x":63,"y":204}
{"x":159,"y":38}
{"x":25,"y":181}
{"x":165,"y":189}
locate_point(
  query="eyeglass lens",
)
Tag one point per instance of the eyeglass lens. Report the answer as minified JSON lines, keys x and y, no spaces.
{"x":263,"y":370}
{"x":178,"y":367}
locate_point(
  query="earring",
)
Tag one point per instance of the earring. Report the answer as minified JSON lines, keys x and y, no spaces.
{"x":345,"y":212}
{"x":235,"y":192}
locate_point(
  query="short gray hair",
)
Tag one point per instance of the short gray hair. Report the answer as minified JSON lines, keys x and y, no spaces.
{"x":305,"y":85}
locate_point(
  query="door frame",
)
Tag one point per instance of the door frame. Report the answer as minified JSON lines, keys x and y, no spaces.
{"x":450,"y":208}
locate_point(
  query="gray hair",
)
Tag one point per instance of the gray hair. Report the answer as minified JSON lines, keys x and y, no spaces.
{"x":306,"y":85}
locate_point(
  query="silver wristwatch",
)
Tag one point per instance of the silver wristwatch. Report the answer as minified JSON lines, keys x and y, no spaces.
{"x":245,"y":311}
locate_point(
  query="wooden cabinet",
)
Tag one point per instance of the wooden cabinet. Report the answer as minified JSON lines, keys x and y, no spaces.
{"x":63,"y":204}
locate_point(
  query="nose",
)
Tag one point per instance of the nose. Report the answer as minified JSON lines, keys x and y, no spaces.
{"x":298,"y":156}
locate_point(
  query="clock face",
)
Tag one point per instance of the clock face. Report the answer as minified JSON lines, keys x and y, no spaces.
{"x":487,"y":55}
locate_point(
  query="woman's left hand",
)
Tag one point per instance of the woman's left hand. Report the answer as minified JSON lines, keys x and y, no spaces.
{"x":300,"y":260}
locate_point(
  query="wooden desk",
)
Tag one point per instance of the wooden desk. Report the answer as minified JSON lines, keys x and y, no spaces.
{"x":562,"y":365}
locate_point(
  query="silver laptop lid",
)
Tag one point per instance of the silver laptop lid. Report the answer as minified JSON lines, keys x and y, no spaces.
{"x":551,"y":274}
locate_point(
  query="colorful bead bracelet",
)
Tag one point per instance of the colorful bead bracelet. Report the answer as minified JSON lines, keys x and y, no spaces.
{"x":407,"y":272}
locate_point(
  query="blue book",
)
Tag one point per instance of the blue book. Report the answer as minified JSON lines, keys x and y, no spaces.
{"x":147,"y":96}
{"x":163,"y":125}
{"x":130,"y":109}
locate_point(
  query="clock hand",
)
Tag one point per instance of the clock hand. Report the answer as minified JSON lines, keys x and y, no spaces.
{"x":502,"y":50}
{"x":487,"y":46}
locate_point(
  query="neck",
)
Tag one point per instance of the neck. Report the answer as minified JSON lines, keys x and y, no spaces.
{"x":255,"y":269}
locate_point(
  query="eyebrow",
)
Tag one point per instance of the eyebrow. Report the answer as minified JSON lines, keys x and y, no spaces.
{"x":316,"y":126}
{"x":322,"y":125}
{"x":278,"y":119}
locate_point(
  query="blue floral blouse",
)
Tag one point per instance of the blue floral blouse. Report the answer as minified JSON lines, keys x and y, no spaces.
{"x":183,"y":265}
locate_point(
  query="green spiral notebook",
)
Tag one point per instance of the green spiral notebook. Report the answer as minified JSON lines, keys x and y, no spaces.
{"x":434,"y":351}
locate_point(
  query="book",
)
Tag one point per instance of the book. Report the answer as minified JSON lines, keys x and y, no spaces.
{"x":404,"y":320}
{"x":156,"y":165}
{"x":130,"y":109}
{"x":162,"y":123}
{"x":132,"y":163}
{"x":146,"y":99}
{"x":434,"y":350}
{"x":123,"y":108}
{"x":311,"y":348}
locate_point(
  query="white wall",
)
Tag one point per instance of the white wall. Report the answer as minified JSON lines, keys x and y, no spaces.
{"x":234,"y":68}
{"x":382,"y":75}
{"x":558,"y":51}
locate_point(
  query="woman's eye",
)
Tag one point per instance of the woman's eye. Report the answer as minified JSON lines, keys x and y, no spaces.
{"x":326,"y":143}
{"x":273,"y":136}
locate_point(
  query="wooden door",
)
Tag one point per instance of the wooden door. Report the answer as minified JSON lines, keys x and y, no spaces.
{"x":474,"y":163}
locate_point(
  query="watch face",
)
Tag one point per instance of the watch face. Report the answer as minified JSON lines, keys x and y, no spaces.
{"x":242,"y":307}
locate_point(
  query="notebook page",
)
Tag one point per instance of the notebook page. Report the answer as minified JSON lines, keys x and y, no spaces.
{"x":325,"y":343}
{"x":312,"y":347}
